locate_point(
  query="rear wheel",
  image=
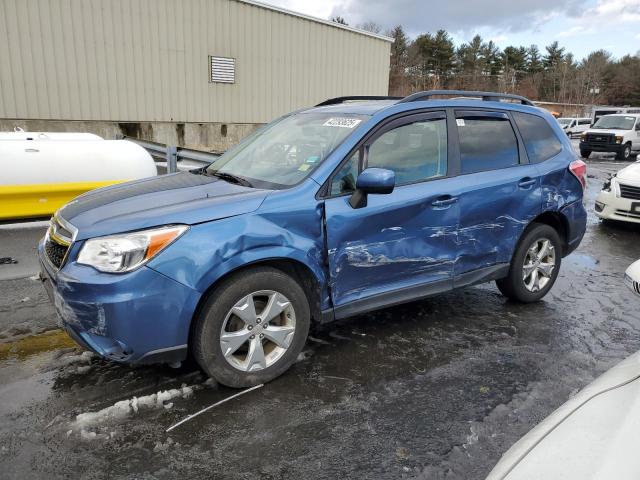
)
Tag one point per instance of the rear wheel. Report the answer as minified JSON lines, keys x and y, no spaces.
{"x":585,"y":153}
{"x":535,"y":265}
{"x":252,"y":327}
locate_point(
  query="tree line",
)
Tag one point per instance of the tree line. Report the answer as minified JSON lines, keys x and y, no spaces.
{"x":433,"y":61}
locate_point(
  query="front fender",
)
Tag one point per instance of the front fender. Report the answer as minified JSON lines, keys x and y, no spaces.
{"x":208,"y":252}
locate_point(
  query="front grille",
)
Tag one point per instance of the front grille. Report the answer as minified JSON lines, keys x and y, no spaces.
{"x":55,"y":252}
{"x":600,"y":138}
{"x":627,"y":191}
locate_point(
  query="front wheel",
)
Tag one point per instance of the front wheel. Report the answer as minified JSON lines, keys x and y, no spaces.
{"x":585,"y":153}
{"x":535,"y":265}
{"x":251,"y":328}
{"x":625,"y":153}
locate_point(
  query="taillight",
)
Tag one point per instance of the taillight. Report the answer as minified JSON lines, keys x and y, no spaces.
{"x":579,"y":169}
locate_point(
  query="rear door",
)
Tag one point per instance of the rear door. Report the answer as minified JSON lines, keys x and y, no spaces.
{"x":500,"y":196}
{"x":401,"y":245}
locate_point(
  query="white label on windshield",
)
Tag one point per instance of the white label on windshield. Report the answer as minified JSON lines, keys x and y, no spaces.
{"x":342,"y":122}
{"x":460,"y":122}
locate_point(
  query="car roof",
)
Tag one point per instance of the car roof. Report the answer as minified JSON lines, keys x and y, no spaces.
{"x":622,"y":115}
{"x":374,"y":106}
{"x":359,"y":107}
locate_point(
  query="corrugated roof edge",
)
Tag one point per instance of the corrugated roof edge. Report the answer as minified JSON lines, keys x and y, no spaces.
{"x":316,"y":19}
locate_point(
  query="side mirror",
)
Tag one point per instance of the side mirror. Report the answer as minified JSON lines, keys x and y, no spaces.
{"x":632,"y":277}
{"x":372,"y":180}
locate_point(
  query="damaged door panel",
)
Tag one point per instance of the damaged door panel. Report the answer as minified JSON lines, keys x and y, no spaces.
{"x":402,"y":240}
{"x":502,"y":191}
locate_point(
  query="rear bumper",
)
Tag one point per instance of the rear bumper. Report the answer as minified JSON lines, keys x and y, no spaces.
{"x":608,"y":206}
{"x":138,"y":317}
{"x":598,"y":147}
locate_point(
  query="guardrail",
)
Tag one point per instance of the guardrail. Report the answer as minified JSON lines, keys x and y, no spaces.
{"x":172,"y":158}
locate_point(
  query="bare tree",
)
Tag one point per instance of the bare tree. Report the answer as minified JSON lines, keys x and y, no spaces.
{"x":370,"y":26}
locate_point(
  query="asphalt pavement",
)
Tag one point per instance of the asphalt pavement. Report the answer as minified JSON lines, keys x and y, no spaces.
{"x":432,"y":389}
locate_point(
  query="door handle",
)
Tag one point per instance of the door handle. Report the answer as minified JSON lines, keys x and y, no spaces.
{"x":526,"y":182}
{"x":444,"y":201}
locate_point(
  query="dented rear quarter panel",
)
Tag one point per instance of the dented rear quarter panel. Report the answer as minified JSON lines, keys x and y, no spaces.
{"x":562,"y":193}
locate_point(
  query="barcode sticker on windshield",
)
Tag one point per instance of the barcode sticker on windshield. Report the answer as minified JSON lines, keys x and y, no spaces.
{"x":342,"y":122}
{"x":460,"y":122}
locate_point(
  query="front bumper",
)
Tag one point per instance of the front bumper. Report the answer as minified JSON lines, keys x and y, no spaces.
{"x":599,"y":147}
{"x":138,"y":317}
{"x":608,"y":206}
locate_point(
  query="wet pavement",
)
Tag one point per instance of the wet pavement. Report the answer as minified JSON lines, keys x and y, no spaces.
{"x":433,"y":389}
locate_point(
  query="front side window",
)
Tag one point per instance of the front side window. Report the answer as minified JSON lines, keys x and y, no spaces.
{"x":344,"y":180}
{"x":539,"y":140}
{"x":286,"y":151}
{"x":415,"y":152}
{"x":486,"y":143}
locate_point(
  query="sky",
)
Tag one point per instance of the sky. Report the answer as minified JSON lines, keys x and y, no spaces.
{"x":581,"y":26}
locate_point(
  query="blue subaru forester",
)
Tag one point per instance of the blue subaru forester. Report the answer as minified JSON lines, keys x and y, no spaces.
{"x":356,"y":204}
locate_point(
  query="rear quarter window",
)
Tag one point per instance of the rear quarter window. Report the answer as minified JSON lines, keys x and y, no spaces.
{"x":539,"y":139}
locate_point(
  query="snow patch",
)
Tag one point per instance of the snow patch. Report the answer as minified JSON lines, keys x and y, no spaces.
{"x":125,"y":408}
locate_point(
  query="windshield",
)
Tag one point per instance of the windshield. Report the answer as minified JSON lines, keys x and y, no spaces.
{"x":565,"y":121}
{"x":286,"y":151}
{"x":615,"y":122}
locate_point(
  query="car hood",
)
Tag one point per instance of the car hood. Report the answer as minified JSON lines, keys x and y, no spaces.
{"x":592,"y":436}
{"x":630,"y":173}
{"x":184,"y":197}
{"x":605,"y":131}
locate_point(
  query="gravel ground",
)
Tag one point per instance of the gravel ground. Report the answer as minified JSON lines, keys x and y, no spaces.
{"x":433,"y":389}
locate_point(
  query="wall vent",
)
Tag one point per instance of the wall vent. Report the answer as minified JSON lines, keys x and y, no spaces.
{"x":222,"y":69}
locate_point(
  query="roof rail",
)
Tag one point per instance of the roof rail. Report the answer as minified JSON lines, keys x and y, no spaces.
{"x":486,"y":96}
{"x":338,"y":100}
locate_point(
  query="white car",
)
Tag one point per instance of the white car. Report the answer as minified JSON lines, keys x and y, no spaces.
{"x":620,"y":196}
{"x":592,"y":436}
{"x":632,"y":277}
{"x":619,"y":134}
{"x":574,"y":126}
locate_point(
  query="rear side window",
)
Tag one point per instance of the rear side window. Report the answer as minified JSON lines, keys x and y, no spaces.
{"x":486,"y":143}
{"x":538,"y":137}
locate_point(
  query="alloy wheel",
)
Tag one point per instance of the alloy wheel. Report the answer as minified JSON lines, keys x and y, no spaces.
{"x":539,"y":264}
{"x":258,"y":330}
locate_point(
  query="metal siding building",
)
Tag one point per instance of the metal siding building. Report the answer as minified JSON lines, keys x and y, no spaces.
{"x":149,"y":60}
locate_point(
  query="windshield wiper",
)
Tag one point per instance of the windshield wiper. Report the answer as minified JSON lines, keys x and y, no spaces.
{"x":229,"y":177}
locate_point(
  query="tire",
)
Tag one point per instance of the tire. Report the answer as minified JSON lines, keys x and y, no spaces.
{"x":624,"y":154}
{"x":585,"y":153}
{"x":518,"y":287}
{"x":264,"y":284}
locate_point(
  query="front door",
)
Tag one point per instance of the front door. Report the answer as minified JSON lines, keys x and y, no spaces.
{"x":400,"y":245}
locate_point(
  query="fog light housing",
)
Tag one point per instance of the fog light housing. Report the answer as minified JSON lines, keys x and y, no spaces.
{"x":599,"y":207}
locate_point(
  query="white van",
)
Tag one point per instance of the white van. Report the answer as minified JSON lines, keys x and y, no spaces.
{"x":573,"y":126}
{"x":619,"y":134}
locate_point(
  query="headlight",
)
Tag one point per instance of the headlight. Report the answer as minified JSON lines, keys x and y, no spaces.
{"x":619,"y":139}
{"x":583,"y":137}
{"x":125,"y":252}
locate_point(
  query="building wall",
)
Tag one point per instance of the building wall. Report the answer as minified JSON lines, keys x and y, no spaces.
{"x":147,"y":61}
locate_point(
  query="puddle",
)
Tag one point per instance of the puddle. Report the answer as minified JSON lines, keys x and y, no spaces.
{"x":32,"y":345}
{"x":584,"y":260}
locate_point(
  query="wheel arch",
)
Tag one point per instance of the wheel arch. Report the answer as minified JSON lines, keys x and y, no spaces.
{"x":298,"y":270}
{"x":556,"y":220}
